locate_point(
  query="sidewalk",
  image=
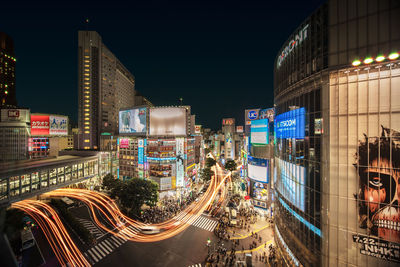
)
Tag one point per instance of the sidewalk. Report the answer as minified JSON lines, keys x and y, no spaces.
{"x":246,"y":241}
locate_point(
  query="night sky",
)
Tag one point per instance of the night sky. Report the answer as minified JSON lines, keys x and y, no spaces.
{"x":217,"y":55}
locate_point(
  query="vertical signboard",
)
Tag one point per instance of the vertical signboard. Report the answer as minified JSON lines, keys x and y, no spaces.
{"x":180,"y":166}
{"x":140,"y":153}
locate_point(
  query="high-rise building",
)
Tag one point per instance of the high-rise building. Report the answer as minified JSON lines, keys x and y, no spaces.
{"x":105,"y":87}
{"x":337,"y":132}
{"x":7,"y":71}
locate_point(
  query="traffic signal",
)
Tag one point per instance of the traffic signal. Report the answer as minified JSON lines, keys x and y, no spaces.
{"x":208,"y":241}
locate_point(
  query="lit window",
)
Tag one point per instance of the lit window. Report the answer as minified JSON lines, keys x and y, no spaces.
{"x":86,"y":132}
{"x":86,"y":83}
{"x":87,"y":61}
{"x":86,"y":96}
{"x":86,"y":87}
{"x":87,"y":123}
{"x":86,"y":106}
{"x":87,"y":127}
{"x":86,"y":74}
{"x":87,"y":79}
{"x":86,"y":56}
{"x":86,"y":66}
{"x":86,"y":114}
{"x":86,"y":119}
{"x":86,"y":101}
{"x":86,"y":109}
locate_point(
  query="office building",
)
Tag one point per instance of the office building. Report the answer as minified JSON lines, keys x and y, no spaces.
{"x":336,"y":89}
{"x":105,"y":87}
{"x":7,"y":71}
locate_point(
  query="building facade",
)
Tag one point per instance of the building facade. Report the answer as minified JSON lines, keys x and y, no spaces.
{"x":15,"y":130}
{"x":336,"y":81}
{"x":7,"y":71}
{"x":105,"y":86}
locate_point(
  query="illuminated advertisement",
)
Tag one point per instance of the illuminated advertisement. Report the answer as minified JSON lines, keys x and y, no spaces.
{"x":133,"y":121}
{"x":124,"y":143}
{"x":180,"y":165}
{"x":251,"y":114}
{"x":40,"y":125}
{"x":49,"y":125}
{"x":291,"y":183}
{"x":58,"y":125}
{"x":291,"y":124}
{"x":268,"y":113}
{"x":260,"y":191}
{"x":228,"y":121}
{"x":140,"y":153}
{"x":259,"y":132}
{"x":239,"y":129}
{"x":21,"y":115}
{"x":364,"y":161}
{"x":170,"y":121}
{"x":258,"y":169}
{"x":197,"y":129}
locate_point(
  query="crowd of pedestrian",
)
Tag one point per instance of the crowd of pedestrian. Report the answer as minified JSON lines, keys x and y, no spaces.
{"x":168,"y":207}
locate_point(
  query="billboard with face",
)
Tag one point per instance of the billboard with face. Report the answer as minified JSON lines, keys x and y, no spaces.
{"x":364,"y":164}
{"x":133,"y":121}
{"x":58,"y":125}
{"x":170,"y":121}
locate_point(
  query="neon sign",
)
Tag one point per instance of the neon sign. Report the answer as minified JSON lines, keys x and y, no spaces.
{"x":296,"y":41}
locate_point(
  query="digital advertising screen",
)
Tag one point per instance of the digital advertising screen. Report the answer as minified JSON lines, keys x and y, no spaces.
{"x":291,"y":124}
{"x":292,"y":181}
{"x":169,"y":121}
{"x":239,"y":129}
{"x":259,"y":133}
{"x":268,"y":113}
{"x":180,"y":167}
{"x":258,"y":169}
{"x":133,"y":121}
{"x":124,"y":143}
{"x":197,"y":129}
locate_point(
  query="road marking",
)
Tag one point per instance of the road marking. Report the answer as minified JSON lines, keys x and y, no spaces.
{"x":95,"y":252}
{"x":116,"y":240}
{"x":106,"y":250}
{"x":97,"y":248}
{"x":113,"y":246}
{"x":107,"y":247}
{"x":205,"y":223}
{"x":93,"y":256}
{"x":195,"y":265}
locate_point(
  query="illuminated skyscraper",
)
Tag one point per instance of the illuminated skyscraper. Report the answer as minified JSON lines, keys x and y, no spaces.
{"x":105,"y":86}
{"x":7,"y":71}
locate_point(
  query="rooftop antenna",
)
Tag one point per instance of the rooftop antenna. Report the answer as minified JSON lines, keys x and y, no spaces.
{"x":87,"y":23}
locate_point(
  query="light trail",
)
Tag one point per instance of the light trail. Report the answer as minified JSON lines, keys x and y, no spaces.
{"x":60,"y":241}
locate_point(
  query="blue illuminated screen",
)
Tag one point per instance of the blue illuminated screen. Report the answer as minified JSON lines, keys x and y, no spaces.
{"x":291,"y":124}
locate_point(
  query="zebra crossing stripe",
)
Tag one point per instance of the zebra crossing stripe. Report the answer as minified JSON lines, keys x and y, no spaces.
{"x":93,"y":256}
{"x":203,"y":223}
{"x":113,"y":246}
{"x":107,"y":247}
{"x":100,"y":245}
{"x":95,"y":252}
{"x":196,"y":222}
{"x":97,"y":248}
{"x":116,"y":240}
{"x":211,"y":226}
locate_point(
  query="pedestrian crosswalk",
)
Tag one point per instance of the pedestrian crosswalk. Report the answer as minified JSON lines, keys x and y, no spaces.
{"x":93,"y":229}
{"x":105,"y":247}
{"x":195,"y":265}
{"x":205,"y":223}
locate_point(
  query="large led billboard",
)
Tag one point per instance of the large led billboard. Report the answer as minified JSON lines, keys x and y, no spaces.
{"x":180,"y":165}
{"x":291,"y":124}
{"x":258,"y":169}
{"x":259,"y":132}
{"x":364,"y":164}
{"x":170,"y":121}
{"x":133,"y":121}
{"x":292,"y":182}
{"x":268,"y":113}
{"x":44,"y":125}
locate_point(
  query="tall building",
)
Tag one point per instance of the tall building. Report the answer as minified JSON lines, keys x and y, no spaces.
{"x":337,"y":128}
{"x":7,"y":71}
{"x":105,"y":87}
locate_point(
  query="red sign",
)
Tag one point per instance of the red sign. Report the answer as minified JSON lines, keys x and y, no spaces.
{"x":40,"y":125}
{"x":229,"y":121}
{"x":13,"y":113}
{"x":246,"y":197}
{"x":124,"y":143}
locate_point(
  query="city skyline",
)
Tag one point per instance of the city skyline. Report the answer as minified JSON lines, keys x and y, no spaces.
{"x":223,"y":47}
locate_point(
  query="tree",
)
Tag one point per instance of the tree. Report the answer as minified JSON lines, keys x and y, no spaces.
{"x":114,"y":186}
{"x":206,"y":174}
{"x":210,"y":162}
{"x":230,"y":165}
{"x":137,"y":192}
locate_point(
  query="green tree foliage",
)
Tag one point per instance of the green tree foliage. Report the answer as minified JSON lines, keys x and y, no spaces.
{"x":230,"y":165}
{"x":206,"y":174}
{"x":114,"y":186}
{"x":210,"y":162}
{"x":137,"y":192}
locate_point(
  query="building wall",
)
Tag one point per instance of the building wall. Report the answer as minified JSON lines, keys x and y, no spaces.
{"x":105,"y":87}
{"x":7,"y":71}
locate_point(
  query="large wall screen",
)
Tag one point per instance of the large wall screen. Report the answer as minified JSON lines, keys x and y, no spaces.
{"x":291,"y":183}
{"x":291,"y":124}
{"x":258,"y":169}
{"x":133,"y":121}
{"x":168,"y":121}
{"x":259,"y":132}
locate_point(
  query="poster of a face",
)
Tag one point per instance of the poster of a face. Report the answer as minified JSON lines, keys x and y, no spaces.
{"x":132,"y":121}
{"x":379,"y":190}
